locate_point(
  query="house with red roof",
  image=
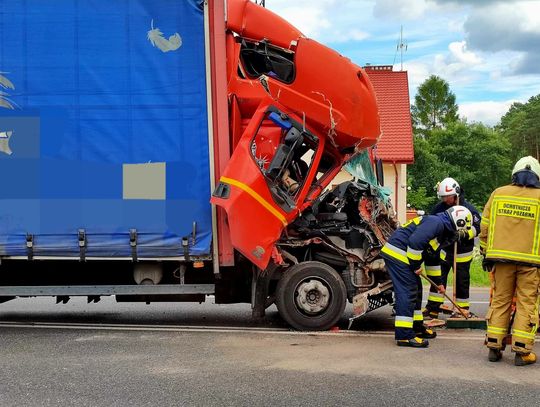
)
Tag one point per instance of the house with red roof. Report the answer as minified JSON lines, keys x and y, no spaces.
{"x":395,"y":147}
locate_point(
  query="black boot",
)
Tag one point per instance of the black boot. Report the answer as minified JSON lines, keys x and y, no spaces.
{"x":494,"y":355}
{"x":524,"y":359}
{"x":426,"y":333}
{"x":413,"y":343}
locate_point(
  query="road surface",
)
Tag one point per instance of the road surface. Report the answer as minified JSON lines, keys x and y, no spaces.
{"x":209,"y":355}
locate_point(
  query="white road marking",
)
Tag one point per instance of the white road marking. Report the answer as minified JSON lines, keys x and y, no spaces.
{"x":444,"y":334}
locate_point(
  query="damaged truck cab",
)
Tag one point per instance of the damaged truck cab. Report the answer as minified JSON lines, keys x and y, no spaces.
{"x":298,"y":111}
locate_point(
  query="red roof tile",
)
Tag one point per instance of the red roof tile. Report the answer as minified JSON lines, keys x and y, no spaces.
{"x":392,"y":91}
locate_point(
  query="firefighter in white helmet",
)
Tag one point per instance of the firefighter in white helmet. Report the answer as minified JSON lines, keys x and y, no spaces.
{"x":510,"y":241}
{"x":439,"y":265}
{"x":404,"y":253}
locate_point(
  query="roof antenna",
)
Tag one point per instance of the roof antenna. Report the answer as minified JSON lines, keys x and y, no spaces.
{"x":260,"y":2}
{"x":401,"y":46}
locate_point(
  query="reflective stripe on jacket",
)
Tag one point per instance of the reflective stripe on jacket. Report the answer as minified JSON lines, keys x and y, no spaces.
{"x":510,"y":225}
{"x":409,"y":242}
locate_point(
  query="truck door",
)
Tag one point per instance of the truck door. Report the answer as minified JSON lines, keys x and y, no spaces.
{"x":264,"y":183}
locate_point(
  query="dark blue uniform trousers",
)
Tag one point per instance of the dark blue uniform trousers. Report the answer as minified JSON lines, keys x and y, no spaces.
{"x":408,"y":298}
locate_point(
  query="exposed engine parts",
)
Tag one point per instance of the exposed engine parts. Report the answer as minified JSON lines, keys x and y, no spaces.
{"x":345,"y":228}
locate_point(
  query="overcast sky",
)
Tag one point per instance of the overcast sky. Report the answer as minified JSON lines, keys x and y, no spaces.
{"x":488,"y":50}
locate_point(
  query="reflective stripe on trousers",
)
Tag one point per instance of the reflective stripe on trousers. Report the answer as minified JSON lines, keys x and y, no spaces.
{"x":433,"y":271}
{"x":436,"y":297}
{"x":464,"y":257}
{"x":463,"y":302}
{"x":403,"y":322}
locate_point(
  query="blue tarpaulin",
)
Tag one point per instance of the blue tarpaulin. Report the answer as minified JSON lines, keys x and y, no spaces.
{"x":103,"y":127}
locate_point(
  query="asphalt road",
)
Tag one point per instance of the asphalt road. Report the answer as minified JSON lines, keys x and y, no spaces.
{"x":209,"y":355}
{"x":107,"y":311}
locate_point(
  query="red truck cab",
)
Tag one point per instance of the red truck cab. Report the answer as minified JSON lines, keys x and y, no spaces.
{"x":297,"y":111}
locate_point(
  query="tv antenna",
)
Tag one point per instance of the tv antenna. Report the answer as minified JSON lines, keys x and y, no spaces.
{"x":401,"y":47}
{"x":260,"y":2}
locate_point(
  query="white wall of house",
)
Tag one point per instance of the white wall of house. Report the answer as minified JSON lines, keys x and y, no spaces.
{"x":390,"y":183}
{"x":400,"y":204}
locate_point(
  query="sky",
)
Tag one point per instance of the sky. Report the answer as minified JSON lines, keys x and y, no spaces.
{"x":487,"y":50}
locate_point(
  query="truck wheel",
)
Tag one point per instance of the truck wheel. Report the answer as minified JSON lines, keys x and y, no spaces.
{"x":311,"y":296}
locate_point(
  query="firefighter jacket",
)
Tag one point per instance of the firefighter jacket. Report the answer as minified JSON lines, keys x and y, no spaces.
{"x":510,"y":225}
{"x":465,"y":247}
{"x":418,"y":238}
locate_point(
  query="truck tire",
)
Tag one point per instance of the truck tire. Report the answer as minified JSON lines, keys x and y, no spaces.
{"x":311,"y":296}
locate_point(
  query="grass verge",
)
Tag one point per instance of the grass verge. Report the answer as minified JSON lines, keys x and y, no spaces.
{"x":479,"y":277}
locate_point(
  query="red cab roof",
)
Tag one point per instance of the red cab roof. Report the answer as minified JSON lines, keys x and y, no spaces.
{"x":392,"y":91}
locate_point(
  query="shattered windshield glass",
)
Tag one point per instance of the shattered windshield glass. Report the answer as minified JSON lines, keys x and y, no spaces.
{"x":360,"y":167}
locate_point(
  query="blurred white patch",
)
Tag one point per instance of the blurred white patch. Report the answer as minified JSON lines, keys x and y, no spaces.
{"x":144,"y":181}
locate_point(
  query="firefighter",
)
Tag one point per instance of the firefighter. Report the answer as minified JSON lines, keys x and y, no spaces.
{"x":509,"y":240}
{"x":450,"y":194}
{"x":404,"y":253}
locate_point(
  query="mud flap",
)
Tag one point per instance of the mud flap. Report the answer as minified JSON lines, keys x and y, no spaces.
{"x":259,"y":292}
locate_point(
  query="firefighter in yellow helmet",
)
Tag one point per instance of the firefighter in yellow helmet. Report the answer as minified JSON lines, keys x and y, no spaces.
{"x":510,"y":241}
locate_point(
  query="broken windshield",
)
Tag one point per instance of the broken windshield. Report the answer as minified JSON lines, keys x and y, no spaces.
{"x":361,"y":168}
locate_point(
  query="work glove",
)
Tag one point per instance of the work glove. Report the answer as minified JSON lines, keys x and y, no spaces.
{"x":463,"y":235}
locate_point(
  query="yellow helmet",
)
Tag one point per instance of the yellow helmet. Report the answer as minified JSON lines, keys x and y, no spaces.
{"x":527,"y":163}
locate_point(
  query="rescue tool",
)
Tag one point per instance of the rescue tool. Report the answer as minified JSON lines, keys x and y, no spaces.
{"x":456,"y":323}
{"x":445,"y":295}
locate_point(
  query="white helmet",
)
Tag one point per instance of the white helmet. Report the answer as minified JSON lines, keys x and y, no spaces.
{"x":461,"y":217}
{"x":448,"y":187}
{"x":527,"y":163}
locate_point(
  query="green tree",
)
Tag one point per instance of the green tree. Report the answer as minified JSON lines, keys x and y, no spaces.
{"x":521,"y":126}
{"x":477,"y":156}
{"x":420,"y":199}
{"x":423,"y":175}
{"x":434,"y":105}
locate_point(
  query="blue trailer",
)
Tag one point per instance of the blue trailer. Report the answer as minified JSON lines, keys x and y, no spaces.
{"x":104,"y":140}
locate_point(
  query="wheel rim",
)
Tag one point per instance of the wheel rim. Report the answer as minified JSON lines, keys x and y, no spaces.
{"x":312,"y":296}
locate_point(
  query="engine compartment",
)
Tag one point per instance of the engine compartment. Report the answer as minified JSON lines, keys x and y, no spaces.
{"x":346,"y":228}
